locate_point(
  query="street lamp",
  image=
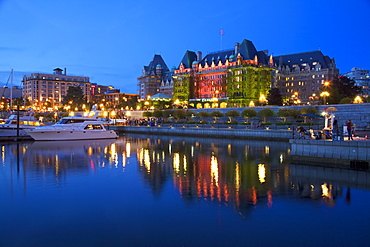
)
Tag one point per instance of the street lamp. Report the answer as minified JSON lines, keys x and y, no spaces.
{"x":262,"y":99}
{"x":358,"y":100}
{"x":324,"y":95}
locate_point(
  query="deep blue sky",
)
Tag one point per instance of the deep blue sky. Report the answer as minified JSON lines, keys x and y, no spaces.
{"x":110,"y":41}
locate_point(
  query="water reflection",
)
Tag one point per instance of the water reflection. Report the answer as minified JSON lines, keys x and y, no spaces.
{"x":241,"y":174}
{"x":236,"y":173}
{"x":178,"y":191}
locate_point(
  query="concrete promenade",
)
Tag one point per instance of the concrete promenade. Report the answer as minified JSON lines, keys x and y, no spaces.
{"x":355,"y":153}
{"x":278,"y":135}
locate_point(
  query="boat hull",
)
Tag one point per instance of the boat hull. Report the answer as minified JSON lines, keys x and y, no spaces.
{"x":61,"y":135}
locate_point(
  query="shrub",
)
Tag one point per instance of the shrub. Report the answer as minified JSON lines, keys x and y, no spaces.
{"x":345,"y":101}
{"x":284,"y":123}
{"x":231,"y":122}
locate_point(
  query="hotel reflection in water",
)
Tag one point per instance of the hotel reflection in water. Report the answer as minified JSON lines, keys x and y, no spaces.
{"x":241,"y":174}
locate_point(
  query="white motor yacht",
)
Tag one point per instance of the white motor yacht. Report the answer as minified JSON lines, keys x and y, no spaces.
{"x":73,"y":128}
{"x":21,"y":124}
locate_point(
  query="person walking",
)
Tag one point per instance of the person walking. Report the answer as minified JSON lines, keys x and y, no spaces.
{"x":335,"y":130}
{"x":349,"y":129}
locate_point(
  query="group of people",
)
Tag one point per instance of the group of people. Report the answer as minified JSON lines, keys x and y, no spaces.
{"x":336,"y":133}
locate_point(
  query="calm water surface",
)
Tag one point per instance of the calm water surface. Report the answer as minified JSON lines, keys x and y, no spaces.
{"x":175,"y":191}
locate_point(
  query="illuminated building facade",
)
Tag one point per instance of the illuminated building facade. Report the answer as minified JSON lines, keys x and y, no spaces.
{"x":302,"y":75}
{"x":116,"y":99}
{"x":48,"y":90}
{"x":228,"y":78}
{"x":155,"y":78}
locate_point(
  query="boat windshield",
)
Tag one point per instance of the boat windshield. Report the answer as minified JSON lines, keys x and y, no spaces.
{"x":69,"y":121}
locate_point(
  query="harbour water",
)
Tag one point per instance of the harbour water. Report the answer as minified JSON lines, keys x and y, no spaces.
{"x":144,"y":190}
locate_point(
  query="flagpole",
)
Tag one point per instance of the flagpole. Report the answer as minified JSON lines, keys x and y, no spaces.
{"x":221,"y":33}
{"x":11,"y":89}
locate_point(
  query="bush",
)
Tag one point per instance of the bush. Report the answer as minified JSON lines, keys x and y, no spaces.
{"x":231,"y":122}
{"x":345,"y":101}
{"x":245,"y":123}
{"x":284,"y":123}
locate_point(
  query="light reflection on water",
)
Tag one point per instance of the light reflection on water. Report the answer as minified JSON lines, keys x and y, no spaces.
{"x":175,"y":191}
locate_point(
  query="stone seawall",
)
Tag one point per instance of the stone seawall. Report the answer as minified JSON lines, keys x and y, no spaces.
{"x":341,"y":152}
{"x":279,"y":135}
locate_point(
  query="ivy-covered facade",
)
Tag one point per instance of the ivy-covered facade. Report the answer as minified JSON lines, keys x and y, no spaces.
{"x":248,"y":84}
{"x":229,"y":78}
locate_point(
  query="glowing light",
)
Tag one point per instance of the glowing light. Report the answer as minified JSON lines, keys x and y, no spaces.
{"x":261,"y":173}
{"x":147,"y":163}
{"x":185,"y":164}
{"x":123,"y":160}
{"x":176,"y":162}
{"x":251,"y":104}
{"x":214,"y":169}
{"x":325,"y":190}
{"x":262,"y":99}
{"x":128,"y":149}
{"x":237,"y":176}
{"x":358,"y":100}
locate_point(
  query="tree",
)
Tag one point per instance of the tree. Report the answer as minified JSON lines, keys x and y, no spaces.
{"x":265,"y":113}
{"x":179,"y":114}
{"x":147,"y":114}
{"x":167,"y":113}
{"x":157,"y":113}
{"x":189,"y":114}
{"x":216,"y":115}
{"x":249,"y":113}
{"x":342,"y":87}
{"x":74,"y":97}
{"x":286,"y":112}
{"x":203,"y":114}
{"x":232,"y":114}
{"x":274,"y":97}
{"x":306,"y":110}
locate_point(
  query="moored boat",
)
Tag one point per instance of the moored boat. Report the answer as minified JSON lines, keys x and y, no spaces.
{"x":73,"y":128}
{"x":20,"y":125}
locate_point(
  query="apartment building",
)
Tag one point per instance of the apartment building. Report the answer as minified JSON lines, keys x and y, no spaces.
{"x":362,"y":78}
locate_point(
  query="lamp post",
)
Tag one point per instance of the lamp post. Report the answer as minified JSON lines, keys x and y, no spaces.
{"x":324,"y":95}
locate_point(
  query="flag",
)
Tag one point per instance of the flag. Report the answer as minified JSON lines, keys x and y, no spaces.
{"x":221,"y":31}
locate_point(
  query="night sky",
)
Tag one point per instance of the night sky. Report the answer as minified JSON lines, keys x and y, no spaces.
{"x":110,"y":41}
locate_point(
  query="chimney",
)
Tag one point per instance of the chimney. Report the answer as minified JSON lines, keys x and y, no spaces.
{"x":236,"y":48}
{"x":65,"y":71}
{"x":199,"y":56}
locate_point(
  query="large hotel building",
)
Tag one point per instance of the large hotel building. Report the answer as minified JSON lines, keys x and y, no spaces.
{"x":238,"y":76}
